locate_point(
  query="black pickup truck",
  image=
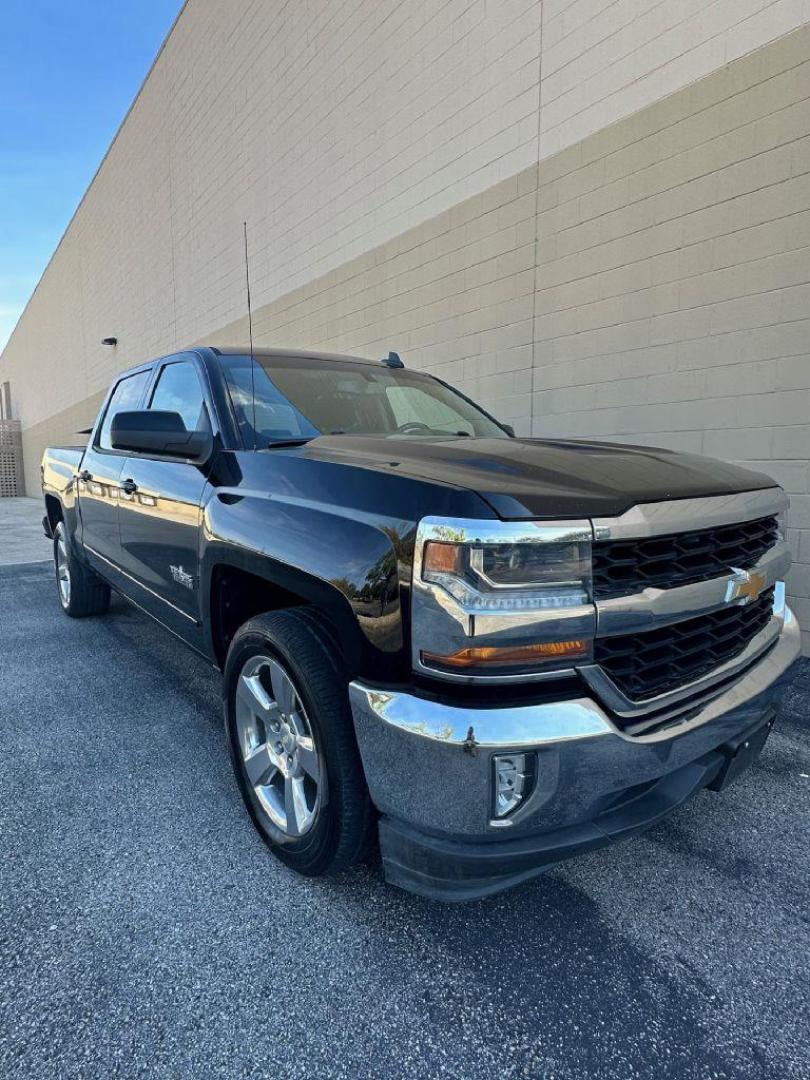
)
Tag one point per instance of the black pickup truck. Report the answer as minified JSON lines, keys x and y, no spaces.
{"x":489,"y":653}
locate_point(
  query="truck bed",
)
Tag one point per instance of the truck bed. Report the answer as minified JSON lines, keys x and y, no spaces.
{"x":59,"y":467}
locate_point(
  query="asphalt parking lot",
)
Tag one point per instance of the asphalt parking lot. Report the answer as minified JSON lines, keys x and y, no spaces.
{"x":145,"y":931}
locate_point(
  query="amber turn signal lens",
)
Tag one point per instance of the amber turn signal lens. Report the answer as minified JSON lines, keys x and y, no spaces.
{"x":483,"y":656}
{"x":442,"y":558}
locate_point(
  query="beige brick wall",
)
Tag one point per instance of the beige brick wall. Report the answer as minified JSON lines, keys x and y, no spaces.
{"x":455,"y":295}
{"x":673,"y":280}
{"x":606,"y":59}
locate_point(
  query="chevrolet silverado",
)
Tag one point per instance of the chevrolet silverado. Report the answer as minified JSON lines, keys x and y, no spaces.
{"x":486,"y":653}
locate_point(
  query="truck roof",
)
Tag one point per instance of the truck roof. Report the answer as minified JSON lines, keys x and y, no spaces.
{"x":304,"y":354}
{"x":391,"y":361}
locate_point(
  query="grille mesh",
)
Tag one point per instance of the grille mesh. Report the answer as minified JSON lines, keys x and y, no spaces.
{"x":623,"y":567}
{"x":654,"y":662}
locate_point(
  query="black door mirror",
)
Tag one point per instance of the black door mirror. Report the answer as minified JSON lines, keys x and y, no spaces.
{"x":508,"y":429}
{"x":150,"y":431}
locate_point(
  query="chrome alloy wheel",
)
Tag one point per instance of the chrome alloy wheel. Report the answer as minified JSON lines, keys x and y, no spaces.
{"x":281,"y":762}
{"x":62,"y":571}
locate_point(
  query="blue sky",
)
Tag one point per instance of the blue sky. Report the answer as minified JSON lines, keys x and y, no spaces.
{"x":69,"y":70}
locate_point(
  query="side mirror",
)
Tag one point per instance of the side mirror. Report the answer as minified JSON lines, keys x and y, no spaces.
{"x":148,"y":431}
{"x":508,"y":429}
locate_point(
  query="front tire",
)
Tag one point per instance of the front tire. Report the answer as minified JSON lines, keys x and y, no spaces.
{"x":81,"y":592}
{"x":292,"y":744}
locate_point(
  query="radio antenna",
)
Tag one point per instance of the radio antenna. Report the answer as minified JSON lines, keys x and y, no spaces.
{"x":250,"y":333}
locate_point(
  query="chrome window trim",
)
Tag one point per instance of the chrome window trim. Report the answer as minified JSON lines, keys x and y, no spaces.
{"x":690,"y":515}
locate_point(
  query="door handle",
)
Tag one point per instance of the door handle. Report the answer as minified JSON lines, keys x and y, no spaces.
{"x":129,"y":487}
{"x":86,"y":476}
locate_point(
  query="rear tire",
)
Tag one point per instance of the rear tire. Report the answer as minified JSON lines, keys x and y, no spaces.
{"x":292,"y":743}
{"x":80,"y":591}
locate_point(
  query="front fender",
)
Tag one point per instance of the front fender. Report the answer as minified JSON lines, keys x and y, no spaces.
{"x":347,"y":562}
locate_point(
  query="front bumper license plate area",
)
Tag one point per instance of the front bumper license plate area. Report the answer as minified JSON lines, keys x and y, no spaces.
{"x":741,"y":753}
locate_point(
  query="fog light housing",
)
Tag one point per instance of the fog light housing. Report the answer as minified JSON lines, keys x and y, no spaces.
{"x":512,"y":781}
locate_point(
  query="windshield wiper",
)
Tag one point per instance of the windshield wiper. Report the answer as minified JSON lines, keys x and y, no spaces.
{"x":445,"y":431}
{"x":277,"y":443}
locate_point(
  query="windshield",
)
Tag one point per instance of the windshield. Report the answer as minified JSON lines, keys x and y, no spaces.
{"x":302,"y":397}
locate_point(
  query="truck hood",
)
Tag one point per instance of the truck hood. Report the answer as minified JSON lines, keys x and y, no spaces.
{"x":545,"y":478}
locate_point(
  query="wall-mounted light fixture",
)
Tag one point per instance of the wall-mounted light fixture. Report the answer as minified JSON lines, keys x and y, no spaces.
{"x":109,"y":341}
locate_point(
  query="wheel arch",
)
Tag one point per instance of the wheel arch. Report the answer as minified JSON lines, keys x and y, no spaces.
{"x":239,"y":589}
{"x":54,"y":511}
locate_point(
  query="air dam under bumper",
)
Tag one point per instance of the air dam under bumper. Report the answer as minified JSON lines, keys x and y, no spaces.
{"x":429,"y":769}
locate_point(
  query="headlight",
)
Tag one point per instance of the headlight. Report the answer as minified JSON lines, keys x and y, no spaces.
{"x":541,"y":573}
{"x":500,"y":599}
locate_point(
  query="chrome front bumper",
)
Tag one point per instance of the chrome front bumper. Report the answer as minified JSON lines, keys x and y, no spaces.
{"x":429,"y":765}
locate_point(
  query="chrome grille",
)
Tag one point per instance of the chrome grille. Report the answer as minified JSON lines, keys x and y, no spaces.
{"x":644,"y":665}
{"x":625,"y":567}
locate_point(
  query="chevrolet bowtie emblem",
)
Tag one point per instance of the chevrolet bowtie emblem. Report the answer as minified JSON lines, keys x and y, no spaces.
{"x":745,"y":586}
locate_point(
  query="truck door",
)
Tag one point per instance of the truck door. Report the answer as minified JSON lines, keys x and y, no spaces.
{"x":160,"y":510}
{"x":99,"y":475}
